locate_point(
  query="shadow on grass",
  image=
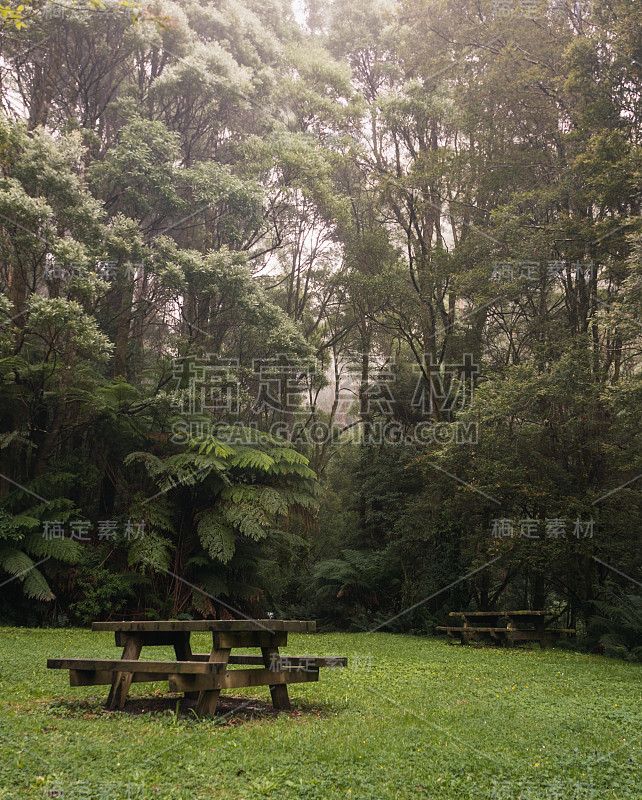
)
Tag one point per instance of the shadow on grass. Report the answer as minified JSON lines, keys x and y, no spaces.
{"x":231,"y":711}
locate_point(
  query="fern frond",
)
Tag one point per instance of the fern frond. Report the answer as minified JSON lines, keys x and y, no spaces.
{"x":247,"y":518}
{"x":212,"y":446}
{"x":67,"y":550}
{"x":249,"y":457}
{"x":215,"y":536}
{"x":35,"y":586}
{"x":288,"y":454}
{"x":21,"y":567}
{"x":157,"y":515}
{"x":152,"y":549}
{"x":269,"y":499}
{"x":14,"y":561}
{"x":154,"y":465}
{"x":292,"y":468}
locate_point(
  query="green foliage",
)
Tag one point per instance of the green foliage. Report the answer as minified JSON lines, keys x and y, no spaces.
{"x":145,"y":152}
{"x":26,"y":554}
{"x":244,"y":489}
{"x":618,"y":625}
{"x":21,"y":15}
{"x":102,"y":594}
{"x":230,"y":186}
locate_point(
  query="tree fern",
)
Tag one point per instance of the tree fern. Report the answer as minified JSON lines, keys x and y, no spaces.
{"x":618,"y":626}
{"x":241,"y":492}
{"x":23,"y":545}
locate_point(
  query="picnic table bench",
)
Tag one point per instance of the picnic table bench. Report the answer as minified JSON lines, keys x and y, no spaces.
{"x":520,"y":626}
{"x":200,"y":674}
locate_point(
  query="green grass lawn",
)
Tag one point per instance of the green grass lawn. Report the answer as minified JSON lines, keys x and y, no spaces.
{"x":408,"y":718}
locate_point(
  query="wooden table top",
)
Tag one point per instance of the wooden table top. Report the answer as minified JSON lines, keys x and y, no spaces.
{"x":502,"y":613}
{"x":214,"y":625}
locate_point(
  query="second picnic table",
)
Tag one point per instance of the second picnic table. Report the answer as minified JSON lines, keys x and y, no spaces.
{"x":521,"y":626}
{"x":202,"y":673}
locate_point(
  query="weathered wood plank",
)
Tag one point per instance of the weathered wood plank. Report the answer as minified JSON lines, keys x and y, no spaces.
{"x":239,"y":678}
{"x":86,"y":677}
{"x":329,"y":662}
{"x":127,"y":665}
{"x":239,"y":639}
{"x":227,"y":641}
{"x":283,"y":662}
{"x":470,"y":629}
{"x":91,"y":677}
{"x":151,"y":638}
{"x":501,"y":613}
{"x":226,"y":625}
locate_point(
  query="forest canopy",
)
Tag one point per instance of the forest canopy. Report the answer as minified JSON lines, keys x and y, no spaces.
{"x":317,"y":309}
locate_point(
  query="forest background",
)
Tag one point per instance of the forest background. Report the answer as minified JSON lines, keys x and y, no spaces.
{"x":327,"y":312}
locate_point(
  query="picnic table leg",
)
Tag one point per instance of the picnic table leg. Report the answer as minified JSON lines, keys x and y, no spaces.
{"x":122,"y":680}
{"x":540,"y":626}
{"x":183,"y":651}
{"x":511,"y":625}
{"x":465,"y":635}
{"x":208,"y":699}
{"x":280,"y":698}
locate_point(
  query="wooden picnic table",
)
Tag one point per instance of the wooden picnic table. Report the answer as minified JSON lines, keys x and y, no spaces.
{"x":202,"y":674}
{"x":520,"y":626}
